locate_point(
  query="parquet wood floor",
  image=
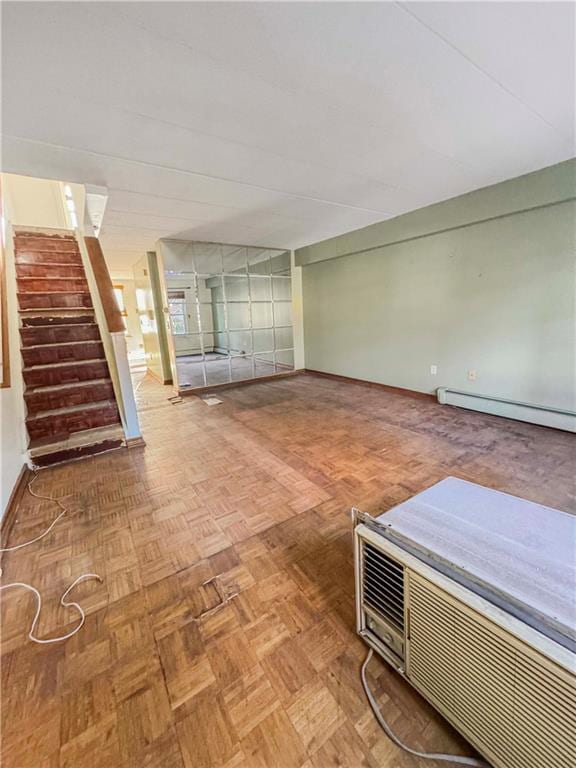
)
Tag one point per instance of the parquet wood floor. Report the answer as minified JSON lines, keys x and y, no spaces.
{"x":256,"y":490}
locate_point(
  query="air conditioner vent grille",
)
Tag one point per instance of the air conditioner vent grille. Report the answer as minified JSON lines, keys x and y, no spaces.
{"x":517,"y":707}
{"x":383,"y":586}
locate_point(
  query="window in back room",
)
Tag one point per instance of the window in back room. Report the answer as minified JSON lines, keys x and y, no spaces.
{"x":177,"y":309}
{"x":119,"y":296}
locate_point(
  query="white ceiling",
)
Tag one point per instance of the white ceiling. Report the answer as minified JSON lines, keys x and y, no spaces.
{"x":281,"y":124}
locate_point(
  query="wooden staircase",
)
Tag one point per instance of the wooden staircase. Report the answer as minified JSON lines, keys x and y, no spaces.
{"x":70,"y":401}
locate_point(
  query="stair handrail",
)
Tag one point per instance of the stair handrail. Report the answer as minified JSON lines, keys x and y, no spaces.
{"x":112,"y":312}
{"x":113,"y":335}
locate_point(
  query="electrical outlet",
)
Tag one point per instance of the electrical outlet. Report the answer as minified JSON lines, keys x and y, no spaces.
{"x":433,"y":370}
{"x":472,"y":375}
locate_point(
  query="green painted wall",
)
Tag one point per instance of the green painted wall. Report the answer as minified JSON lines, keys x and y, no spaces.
{"x":493,"y":295}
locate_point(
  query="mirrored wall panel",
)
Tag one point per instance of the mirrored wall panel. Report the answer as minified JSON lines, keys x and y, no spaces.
{"x":230,"y":310}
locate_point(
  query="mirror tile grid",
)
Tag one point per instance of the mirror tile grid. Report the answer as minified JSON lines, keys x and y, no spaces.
{"x":230,"y":313}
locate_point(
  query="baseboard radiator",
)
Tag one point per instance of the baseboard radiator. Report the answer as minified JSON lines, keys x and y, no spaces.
{"x":509,"y":409}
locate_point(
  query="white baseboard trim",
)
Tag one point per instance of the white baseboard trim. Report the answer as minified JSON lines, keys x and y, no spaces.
{"x":509,"y":409}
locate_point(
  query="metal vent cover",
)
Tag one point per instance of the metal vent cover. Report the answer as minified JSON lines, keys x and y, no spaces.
{"x":383,"y":586}
{"x":517,"y":707}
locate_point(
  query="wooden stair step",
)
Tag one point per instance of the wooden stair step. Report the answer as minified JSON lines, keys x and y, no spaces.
{"x":52,"y":284}
{"x":49,"y":269}
{"x":66,"y":258}
{"x":62,"y":352}
{"x":44,"y":300}
{"x":78,"y":446}
{"x":47,"y":321}
{"x":53,"y":235}
{"x":59,"y":334}
{"x":65,"y":373}
{"x":67,"y":395}
{"x":39,"y":242}
{"x":60,"y":423}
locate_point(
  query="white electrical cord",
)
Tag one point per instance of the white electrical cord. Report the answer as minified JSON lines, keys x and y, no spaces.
{"x":52,"y":524}
{"x":390,"y":733}
{"x":63,"y":602}
{"x":34,"y":591}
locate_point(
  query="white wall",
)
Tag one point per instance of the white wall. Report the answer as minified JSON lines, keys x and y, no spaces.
{"x":134,"y":340}
{"x":493,"y":296}
{"x":298,"y":316}
{"x":12,"y":430}
{"x":146,"y":279}
{"x":34,"y":202}
{"x":12,"y":457}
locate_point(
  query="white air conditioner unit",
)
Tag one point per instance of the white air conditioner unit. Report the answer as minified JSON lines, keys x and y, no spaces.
{"x":470,"y":595}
